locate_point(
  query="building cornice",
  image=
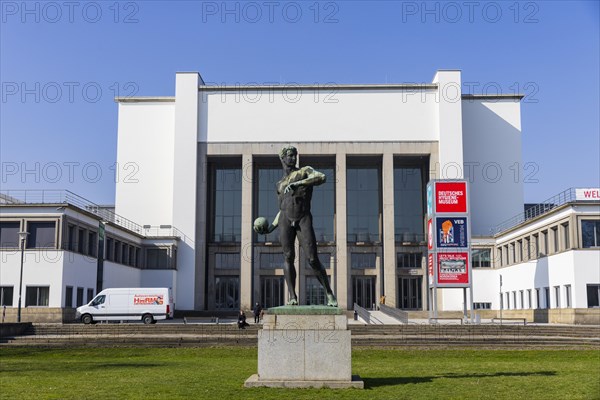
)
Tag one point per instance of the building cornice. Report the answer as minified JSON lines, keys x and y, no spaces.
{"x":148,"y":99}
{"x":327,"y":87}
{"x":516,"y":96}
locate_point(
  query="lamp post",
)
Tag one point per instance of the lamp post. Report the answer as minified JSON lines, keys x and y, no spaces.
{"x":22,"y":239}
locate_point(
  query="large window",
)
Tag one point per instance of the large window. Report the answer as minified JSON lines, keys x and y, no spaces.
{"x":157,"y":258}
{"x":6,"y":296}
{"x":227,"y":292}
{"x":37,"y":296}
{"x":41,"y":234}
{"x":325,"y":259}
{"x":268,"y":203}
{"x":363,"y":260}
{"x":408,"y":204}
{"x":481,"y":258}
{"x":409,"y":260}
{"x":271,"y":260}
{"x":69,"y":297}
{"x":227,"y":260}
{"x":363,"y":204}
{"x":410,"y":292}
{"x":593,"y":296}
{"x":315,"y":294}
{"x":271,"y":291}
{"x":323,"y":206}
{"x":9,"y":234}
{"x":79,"y":296}
{"x":363,"y":291}
{"x":590,"y":233}
{"x":227,"y":204}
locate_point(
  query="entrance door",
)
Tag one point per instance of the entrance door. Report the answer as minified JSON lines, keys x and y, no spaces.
{"x":271,"y":291}
{"x":410,"y":292}
{"x":363,"y":291}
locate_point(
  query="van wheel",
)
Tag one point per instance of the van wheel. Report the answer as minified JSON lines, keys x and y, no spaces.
{"x":87,"y":319}
{"x":147,"y":319}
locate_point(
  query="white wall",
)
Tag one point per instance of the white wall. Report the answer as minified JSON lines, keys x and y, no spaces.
{"x":145,"y":153}
{"x":117,"y":275}
{"x":492,"y":146}
{"x":78,"y":271}
{"x":358,"y":115}
{"x":586,"y":271}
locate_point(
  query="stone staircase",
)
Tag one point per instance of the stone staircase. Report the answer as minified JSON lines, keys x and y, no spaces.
{"x":410,"y":335}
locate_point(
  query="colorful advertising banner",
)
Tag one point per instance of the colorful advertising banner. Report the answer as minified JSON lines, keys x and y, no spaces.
{"x":453,"y":268}
{"x":450,"y":197}
{"x":430,"y":236}
{"x":148,"y":299}
{"x":451,"y":232}
{"x":430,"y":268}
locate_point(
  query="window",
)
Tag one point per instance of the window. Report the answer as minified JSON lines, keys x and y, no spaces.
{"x":90,"y":295}
{"x":536,"y":246}
{"x":545,"y":241}
{"x":512,"y":254}
{"x":80,"y":240}
{"x":568,"y":296}
{"x":227,"y":260}
{"x":157,"y":258}
{"x":408,"y":204}
{"x":79,"y":296}
{"x":567,"y":242}
{"x":268,"y":203}
{"x":514,"y":296}
{"x":482,"y":306}
{"x":110,"y":249}
{"x":315,"y":293}
{"x":519,"y":250}
{"x":227,"y":292}
{"x":9,"y":234}
{"x":529,"y":305}
{"x":555,"y":239}
{"x":593,"y":296}
{"x":323,"y":206}
{"x":37,"y":296}
{"x":557,"y":296}
{"x":6,"y":296}
{"x":481,"y":258}
{"x":409,"y":260}
{"x":92,"y":244}
{"x":522,"y":299}
{"x":363,"y":260}
{"x":41,"y":234}
{"x":507,"y":300}
{"x":69,"y":296}
{"x":227,"y":204}
{"x":271,"y":291}
{"x":547,"y":297}
{"x":410,"y":292}
{"x":590,"y":233}
{"x":537,"y":299}
{"x":363,"y":291}
{"x":527,"y":249}
{"x":71,"y":237}
{"x":362,"y":200}
{"x":324,"y":258}
{"x":271,"y":260}
{"x":500,"y":256}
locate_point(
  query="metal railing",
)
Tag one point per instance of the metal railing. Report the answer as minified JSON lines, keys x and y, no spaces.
{"x":66,"y":197}
{"x":398,"y":314}
{"x":366,"y":315}
{"x":537,"y":210}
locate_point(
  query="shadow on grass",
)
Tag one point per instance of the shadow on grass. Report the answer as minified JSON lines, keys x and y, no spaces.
{"x":82,"y":366}
{"x":393,"y":381}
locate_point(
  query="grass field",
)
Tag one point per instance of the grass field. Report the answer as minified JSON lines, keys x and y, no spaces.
{"x":219,"y":373}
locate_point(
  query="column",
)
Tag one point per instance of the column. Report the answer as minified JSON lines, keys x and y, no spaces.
{"x":342,"y":268}
{"x":389,"y":239}
{"x":246,"y":268}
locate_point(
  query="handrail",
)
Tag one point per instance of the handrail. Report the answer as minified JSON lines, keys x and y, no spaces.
{"x":400,"y":315}
{"x":542,"y":208}
{"x":366,"y":315}
{"x":35,"y":196}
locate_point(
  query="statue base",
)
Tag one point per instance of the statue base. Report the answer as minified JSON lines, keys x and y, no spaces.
{"x":305,"y":346}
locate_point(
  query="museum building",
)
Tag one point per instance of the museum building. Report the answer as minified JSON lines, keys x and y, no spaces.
{"x":206,"y":163}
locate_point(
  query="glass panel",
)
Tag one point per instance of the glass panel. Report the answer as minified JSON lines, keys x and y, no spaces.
{"x":410,"y":292}
{"x":157,"y":259}
{"x":590,"y":233}
{"x":271,"y":260}
{"x":226,"y":224}
{"x":409,"y":260}
{"x":41,"y":234}
{"x":69,"y":296}
{"x":227,"y":292}
{"x":323,"y":207}
{"x":6,"y":296}
{"x":271,"y":289}
{"x":79,"y":297}
{"x":593,"y":296}
{"x":363,"y":260}
{"x":227,"y":260}
{"x":315,"y":293}
{"x":9,"y":234}
{"x":325,"y":259}
{"x":363,"y":291}
{"x":408,"y":204}
{"x":363,"y":204}
{"x":268,"y":203}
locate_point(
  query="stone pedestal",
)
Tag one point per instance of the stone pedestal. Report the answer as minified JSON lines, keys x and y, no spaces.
{"x":304,"y":346}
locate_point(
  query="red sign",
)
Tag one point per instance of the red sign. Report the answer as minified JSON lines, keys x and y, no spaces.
{"x":430,"y":267}
{"x":430,"y":234}
{"x":451,"y":197}
{"x":453,"y":268}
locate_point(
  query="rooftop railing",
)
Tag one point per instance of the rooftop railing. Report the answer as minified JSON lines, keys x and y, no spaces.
{"x":67,"y":197}
{"x":567,"y":196}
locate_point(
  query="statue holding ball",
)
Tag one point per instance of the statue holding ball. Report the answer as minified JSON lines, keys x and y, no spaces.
{"x":294,"y":219}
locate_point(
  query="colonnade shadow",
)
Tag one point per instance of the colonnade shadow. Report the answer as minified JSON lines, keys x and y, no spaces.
{"x":405,"y":380}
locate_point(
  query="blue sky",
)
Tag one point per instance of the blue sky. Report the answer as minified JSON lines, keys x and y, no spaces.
{"x":61,"y":64}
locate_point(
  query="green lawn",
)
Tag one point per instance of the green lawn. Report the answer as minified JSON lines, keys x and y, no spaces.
{"x":219,"y":374}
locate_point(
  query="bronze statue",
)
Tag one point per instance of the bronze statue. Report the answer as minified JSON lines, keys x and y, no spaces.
{"x":294,"y":219}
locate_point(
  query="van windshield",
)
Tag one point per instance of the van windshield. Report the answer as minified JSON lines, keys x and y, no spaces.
{"x":98,"y":300}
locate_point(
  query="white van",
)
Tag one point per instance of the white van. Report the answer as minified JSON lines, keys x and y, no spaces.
{"x":128,"y":304}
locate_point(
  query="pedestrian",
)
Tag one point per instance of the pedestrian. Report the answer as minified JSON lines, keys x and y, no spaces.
{"x":257,"y":310}
{"x":242,"y":324}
